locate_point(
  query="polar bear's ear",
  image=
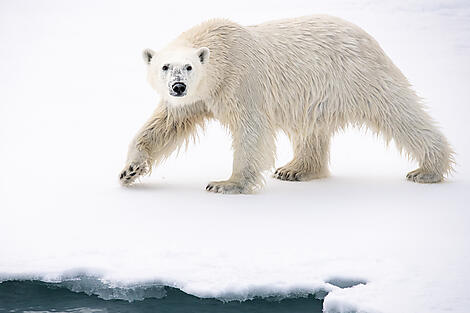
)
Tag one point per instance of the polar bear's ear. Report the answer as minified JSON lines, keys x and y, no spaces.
{"x":148,"y":54}
{"x":203,"y":54}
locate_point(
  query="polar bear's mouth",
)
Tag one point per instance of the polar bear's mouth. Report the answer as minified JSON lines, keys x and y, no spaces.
{"x":178,"y":89}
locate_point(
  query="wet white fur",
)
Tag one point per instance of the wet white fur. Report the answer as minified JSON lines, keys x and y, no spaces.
{"x":308,"y":76}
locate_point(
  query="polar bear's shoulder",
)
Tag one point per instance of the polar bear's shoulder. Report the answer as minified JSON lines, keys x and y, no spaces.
{"x":213,"y":30}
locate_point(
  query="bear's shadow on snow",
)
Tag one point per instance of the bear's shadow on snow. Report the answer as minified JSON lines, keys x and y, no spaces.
{"x":349,"y":187}
{"x":157,"y":186}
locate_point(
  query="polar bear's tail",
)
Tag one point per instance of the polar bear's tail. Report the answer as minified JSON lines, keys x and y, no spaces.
{"x":404,"y":119}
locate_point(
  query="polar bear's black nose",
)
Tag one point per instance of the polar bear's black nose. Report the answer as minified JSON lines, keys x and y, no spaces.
{"x":178,"y":88}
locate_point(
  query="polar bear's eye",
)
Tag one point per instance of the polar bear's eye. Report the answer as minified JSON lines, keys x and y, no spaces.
{"x":189,"y":67}
{"x":165,"y":67}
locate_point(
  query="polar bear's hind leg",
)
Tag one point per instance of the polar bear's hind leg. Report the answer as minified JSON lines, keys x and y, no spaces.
{"x":405,"y":120}
{"x":311,"y":156}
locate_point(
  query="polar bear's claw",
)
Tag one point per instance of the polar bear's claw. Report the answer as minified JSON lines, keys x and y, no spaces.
{"x":132,"y":172}
{"x":288,"y":174}
{"x":291,"y":172}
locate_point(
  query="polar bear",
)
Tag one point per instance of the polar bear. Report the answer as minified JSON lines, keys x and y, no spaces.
{"x":307,"y":76}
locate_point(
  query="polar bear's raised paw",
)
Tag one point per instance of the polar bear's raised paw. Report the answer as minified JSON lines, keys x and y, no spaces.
{"x":131,"y":172}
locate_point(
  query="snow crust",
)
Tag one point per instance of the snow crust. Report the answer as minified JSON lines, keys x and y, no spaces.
{"x":72,"y":95}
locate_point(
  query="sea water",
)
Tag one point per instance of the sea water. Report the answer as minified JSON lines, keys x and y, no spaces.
{"x":86,"y":296}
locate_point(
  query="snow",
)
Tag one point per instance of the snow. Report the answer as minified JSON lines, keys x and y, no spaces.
{"x":73,"y":93}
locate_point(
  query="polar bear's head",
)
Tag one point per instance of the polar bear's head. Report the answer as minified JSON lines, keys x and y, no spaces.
{"x":178,"y":74}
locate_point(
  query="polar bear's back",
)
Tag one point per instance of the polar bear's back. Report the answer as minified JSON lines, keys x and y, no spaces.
{"x":321,"y":60}
{"x":320,"y":45}
{"x":310,"y":29}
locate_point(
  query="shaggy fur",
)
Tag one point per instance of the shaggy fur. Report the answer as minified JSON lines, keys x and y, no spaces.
{"x":308,"y":77}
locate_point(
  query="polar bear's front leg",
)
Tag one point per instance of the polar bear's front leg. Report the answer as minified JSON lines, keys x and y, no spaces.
{"x":254,"y":151}
{"x":164,"y":132}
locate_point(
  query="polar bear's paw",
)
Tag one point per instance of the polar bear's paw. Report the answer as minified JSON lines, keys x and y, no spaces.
{"x":227,"y":186}
{"x":293,"y":173}
{"x":131,"y":172}
{"x":290,"y":174}
{"x":423,"y":177}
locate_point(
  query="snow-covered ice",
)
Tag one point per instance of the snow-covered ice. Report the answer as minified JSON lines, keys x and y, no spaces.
{"x":73,"y":93}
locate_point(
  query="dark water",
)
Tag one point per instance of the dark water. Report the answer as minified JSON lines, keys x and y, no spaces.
{"x":36,"y":296}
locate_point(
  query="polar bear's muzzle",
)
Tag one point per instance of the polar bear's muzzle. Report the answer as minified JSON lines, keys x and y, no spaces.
{"x":178,"y":89}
